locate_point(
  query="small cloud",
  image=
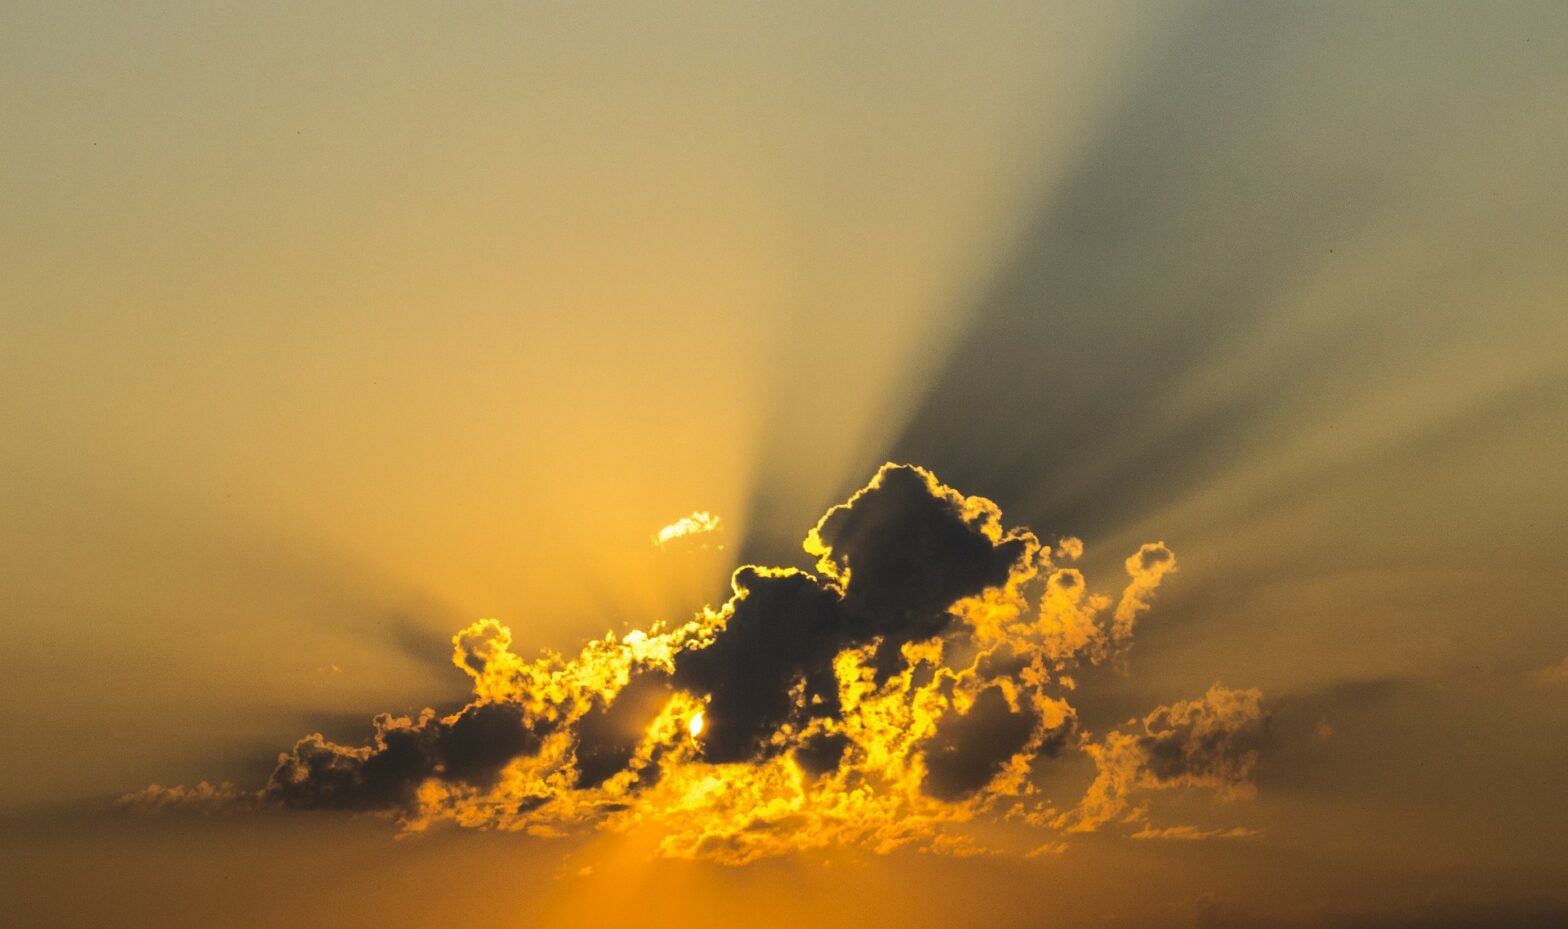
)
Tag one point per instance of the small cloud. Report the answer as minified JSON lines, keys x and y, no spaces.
{"x":700,"y":522}
{"x":1324,"y":730}
{"x":1211,"y":742}
{"x":203,"y":798}
{"x":1146,"y":568}
{"x":1193,"y":833}
{"x":1552,"y":673}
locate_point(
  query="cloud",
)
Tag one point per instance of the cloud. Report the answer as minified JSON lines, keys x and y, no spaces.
{"x":607,"y":735}
{"x":699,"y":523}
{"x":1147,"y":568}
{"x":1209,"y":742}
{"x":1193,"y":833}
{"x":916,"y":681}
{"x":1073,"y":617}
{"x":1212,"y":742}
{"x":1556,"y":673}
{"x":905,"y":549}
{"x":780,"y":627}
{"x":205,"y":797}
{"x":969,"y":749}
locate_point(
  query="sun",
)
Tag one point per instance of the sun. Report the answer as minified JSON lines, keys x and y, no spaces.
{"x":694,"y":725}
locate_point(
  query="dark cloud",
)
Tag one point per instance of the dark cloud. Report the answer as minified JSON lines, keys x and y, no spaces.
{"x":899,"y":554}
{"x":1152,"y":555}
{"x":822,"y":753}
{"x":782,"y":628}
{"x":471,"y":746}
{"x":907,"y":554}
{"x":969,"y":749}
{"x":903,"y":553}
{"x":318,"y":774}
{"x":1211,"y":740}
{"x":910,"y":667}
{"x":607,"y":735}
{"x":478,"y":743}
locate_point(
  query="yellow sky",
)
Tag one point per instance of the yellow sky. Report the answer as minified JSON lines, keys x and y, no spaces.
{"x":326,"y":332}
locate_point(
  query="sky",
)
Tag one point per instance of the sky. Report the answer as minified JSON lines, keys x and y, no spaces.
{"x":1145,"y":425}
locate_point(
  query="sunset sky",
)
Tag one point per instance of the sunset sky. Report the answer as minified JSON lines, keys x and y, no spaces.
{"x":1146,"y":425}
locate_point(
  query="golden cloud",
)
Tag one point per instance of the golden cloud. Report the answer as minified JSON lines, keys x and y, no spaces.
{"x":912,"y":685}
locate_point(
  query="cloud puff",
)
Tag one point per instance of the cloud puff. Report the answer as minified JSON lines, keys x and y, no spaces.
{"x":1212,"y":742}
{"x":205,"y":797}
{"x":916,"y":681}
{"x":970,"y":748}
{"x":1147,"y":568}
{"x":470,"y":747}
{"x":1074,"y":618}
{"x":699,"y":523}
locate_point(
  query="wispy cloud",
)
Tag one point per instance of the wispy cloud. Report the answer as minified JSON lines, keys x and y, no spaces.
{"x":699,"y":523}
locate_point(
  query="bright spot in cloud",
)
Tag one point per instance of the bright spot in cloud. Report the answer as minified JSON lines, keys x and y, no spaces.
{"x":698,"y":523}
{"x":695,"y":725}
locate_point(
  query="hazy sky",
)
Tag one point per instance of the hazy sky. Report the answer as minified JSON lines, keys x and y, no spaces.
{"x":327,"y":332}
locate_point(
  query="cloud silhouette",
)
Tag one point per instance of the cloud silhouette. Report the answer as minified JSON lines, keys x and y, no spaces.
{"x":918,"y":680}
{"x":1211,"y":742}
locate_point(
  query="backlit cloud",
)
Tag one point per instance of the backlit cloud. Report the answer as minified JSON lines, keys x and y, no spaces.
{"x":915,"y":683}
{"x":700,"y":522}
{"x":1211,"y":742}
